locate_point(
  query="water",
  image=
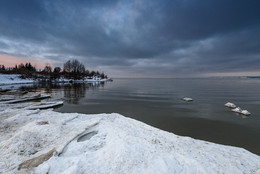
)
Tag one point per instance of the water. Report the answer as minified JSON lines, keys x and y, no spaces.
{"x":157,"y":102}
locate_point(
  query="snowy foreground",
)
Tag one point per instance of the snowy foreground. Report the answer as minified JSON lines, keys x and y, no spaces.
{"x":49,"y":142}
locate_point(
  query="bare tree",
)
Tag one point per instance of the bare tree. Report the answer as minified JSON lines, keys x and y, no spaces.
{"x":56,"y":73}
{"x":81,"y":69}
{"x":57,"y":70}
{"x":47,"y":69}
{"x":75,"y":65}
{"x":102,"y":75}
{"x":74,"y":69}
{"x":67,"y":67}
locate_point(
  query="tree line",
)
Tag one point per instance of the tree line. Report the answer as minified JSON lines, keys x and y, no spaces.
{"x":72,"y":69}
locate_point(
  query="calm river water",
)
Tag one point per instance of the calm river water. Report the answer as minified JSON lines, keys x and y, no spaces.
{"x":158,"y":102}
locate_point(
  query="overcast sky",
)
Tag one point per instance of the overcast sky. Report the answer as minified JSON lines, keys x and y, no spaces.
{"x":138,"y":38}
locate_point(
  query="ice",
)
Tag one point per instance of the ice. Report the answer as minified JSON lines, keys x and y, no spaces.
{"x":237,"y":110}
{"x":187,"y":99}
{"x":240,"y":111}
{"x":230,"y":105}
{"x":44,"y":141}
{"x":26,"y":99}
{"x":45,"y":105}
{"x":245,"y":112}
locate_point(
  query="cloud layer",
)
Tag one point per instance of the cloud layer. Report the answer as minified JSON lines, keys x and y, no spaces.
{"x":136,"y":38}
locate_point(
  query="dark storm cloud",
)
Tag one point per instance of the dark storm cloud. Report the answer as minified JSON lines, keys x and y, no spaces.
{"x":175,"y":36}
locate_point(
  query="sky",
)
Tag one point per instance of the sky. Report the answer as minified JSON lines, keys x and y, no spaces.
{"x":134,"y":38}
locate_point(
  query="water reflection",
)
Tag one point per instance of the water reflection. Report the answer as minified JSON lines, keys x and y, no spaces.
{"x":74,"y":92}
{"x":70,"y":92}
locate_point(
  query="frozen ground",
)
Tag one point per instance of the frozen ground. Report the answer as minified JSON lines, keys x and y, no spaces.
{"x":49,"y":142}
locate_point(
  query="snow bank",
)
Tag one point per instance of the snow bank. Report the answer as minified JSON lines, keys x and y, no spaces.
{"x":7,"y":79}
{"x":107,"y":143}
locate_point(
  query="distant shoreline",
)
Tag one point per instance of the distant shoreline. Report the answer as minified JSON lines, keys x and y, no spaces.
{"x":14,"y":79}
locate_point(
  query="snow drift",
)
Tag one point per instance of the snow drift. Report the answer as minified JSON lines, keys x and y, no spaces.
{"x":50,"y":142}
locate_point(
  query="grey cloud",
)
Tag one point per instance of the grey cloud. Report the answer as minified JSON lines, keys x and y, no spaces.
{"x":177,"y":36}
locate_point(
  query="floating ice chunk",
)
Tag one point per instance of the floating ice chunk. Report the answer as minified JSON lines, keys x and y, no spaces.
{"x":245,"y":112}
{"x":237,"y":110}
{"x":230,"y":105}
{"x":240,"y":111}
{"x":37,"y":97}
{"x":187,"y":99}
{"x":45,"y":105}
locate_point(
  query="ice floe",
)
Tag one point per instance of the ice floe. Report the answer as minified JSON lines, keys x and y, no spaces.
{"x":187,"y":99}
{"x":45,"y":105}
{"x":240,"y":111}
{"x":245,"y":112}
{"x":26,"y":99}
{"x":230,"y":105}
{"x":237,"y":110}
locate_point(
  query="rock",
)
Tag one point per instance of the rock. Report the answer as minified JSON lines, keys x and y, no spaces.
{"x":42,"y":122}
{"x":36,"y":161}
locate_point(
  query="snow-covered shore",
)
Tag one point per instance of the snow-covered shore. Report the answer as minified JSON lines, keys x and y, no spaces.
{"x":50,"y":142}
{"x":9,"y":79}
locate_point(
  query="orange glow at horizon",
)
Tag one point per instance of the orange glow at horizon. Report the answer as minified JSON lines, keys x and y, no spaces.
{"x":11,"y":61}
